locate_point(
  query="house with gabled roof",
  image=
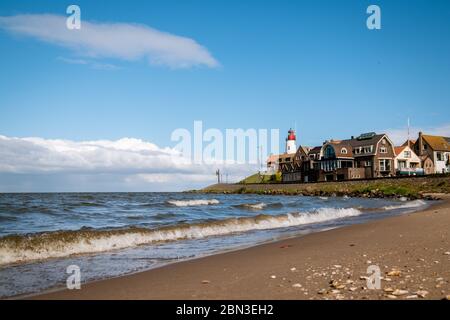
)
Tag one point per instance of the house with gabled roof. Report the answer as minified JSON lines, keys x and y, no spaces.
{"x":434,"y":152}
{"x":406,"y":161}
{"x":302,"y":168}
{"x":337,"y":162}
{"x":370,"y":153}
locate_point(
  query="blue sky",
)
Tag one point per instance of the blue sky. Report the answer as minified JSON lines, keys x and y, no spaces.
{"x":279,"y":63}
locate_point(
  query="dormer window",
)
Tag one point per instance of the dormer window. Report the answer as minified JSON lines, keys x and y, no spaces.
{"x":344,"y":151}
{"x":365,"y":149}
{"x":383,"y":150}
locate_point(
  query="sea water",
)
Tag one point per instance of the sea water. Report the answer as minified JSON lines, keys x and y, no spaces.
{"x":112,"y":234}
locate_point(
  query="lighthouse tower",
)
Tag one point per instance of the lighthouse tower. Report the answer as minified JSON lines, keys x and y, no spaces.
{"x":291,"y":146}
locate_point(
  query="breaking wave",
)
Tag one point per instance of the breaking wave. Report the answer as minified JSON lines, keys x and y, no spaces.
{"x":258,"y":206}
{"x":191,"y":203}
{"x":25,"y":248}
{"x":253,"y":206}
{"x":406,"y":205}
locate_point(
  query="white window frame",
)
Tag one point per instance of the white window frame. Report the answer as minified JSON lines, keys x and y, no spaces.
{"x":384,"y":162}
{"x":369,"y":149}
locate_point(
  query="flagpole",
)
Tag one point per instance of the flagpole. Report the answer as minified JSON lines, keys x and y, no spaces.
{"x":408,"y":135}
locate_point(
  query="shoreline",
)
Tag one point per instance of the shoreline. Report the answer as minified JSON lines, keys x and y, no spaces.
{"x":409,"y":187}
{"x":329,"y":264}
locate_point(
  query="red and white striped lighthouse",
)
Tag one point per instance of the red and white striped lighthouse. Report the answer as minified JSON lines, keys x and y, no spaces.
{"x":291,"y":146}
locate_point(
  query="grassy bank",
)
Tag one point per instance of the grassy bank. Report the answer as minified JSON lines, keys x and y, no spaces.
{"x":413,"y":188}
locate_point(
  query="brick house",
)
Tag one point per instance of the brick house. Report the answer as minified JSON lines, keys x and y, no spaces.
{"x":434,"y":151}
{"x":304,"y":166}
{"x":370,"y":155}
{"x":338,"y":162}
{"x":375,"y":153}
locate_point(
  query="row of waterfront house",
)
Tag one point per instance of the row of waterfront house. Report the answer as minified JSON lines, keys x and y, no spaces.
{"x":366,"y":156}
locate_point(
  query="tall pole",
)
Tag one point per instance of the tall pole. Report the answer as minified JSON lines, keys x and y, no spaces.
{"x":409,"y":169}
{"x":218,"y":175}
{"x":260,"y":159}
{"x":408,"y":134}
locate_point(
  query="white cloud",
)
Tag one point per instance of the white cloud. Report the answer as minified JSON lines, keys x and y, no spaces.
{"x":112,"y":40}
{"x":127,"y":155}
{"x":399,"y":136}
{"x":127,"y":164}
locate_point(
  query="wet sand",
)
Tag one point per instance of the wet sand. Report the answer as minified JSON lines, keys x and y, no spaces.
{"x":412,"y":252}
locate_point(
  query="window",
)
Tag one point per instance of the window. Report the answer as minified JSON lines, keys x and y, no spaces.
{"x":329,"y":152}
{"x":346,"y":164}
{"x":407,"y":154}
{"x":368,"y":163}
{"x":385,"y":165}
{"x":383,"y":150}
{"x":367,"y":149}
{"x":344,"y":151}
{"x":382,"y":165}
{"x":439,"y":156}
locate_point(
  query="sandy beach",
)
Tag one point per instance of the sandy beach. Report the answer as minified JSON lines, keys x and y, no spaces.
{"x":412,"y":252}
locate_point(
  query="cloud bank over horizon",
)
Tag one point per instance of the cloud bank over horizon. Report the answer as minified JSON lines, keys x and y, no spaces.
{"x":128,"y":164}
{"x":125,"y":41}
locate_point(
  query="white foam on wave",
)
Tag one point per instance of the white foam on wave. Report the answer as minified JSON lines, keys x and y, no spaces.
{"x":256,"y":206}
{"x":192,"y":203}
{"x":19,"y":249}
{"x":406,"y":205}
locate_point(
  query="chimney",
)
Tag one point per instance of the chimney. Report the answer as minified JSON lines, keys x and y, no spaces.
{"x":420,"y":144}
